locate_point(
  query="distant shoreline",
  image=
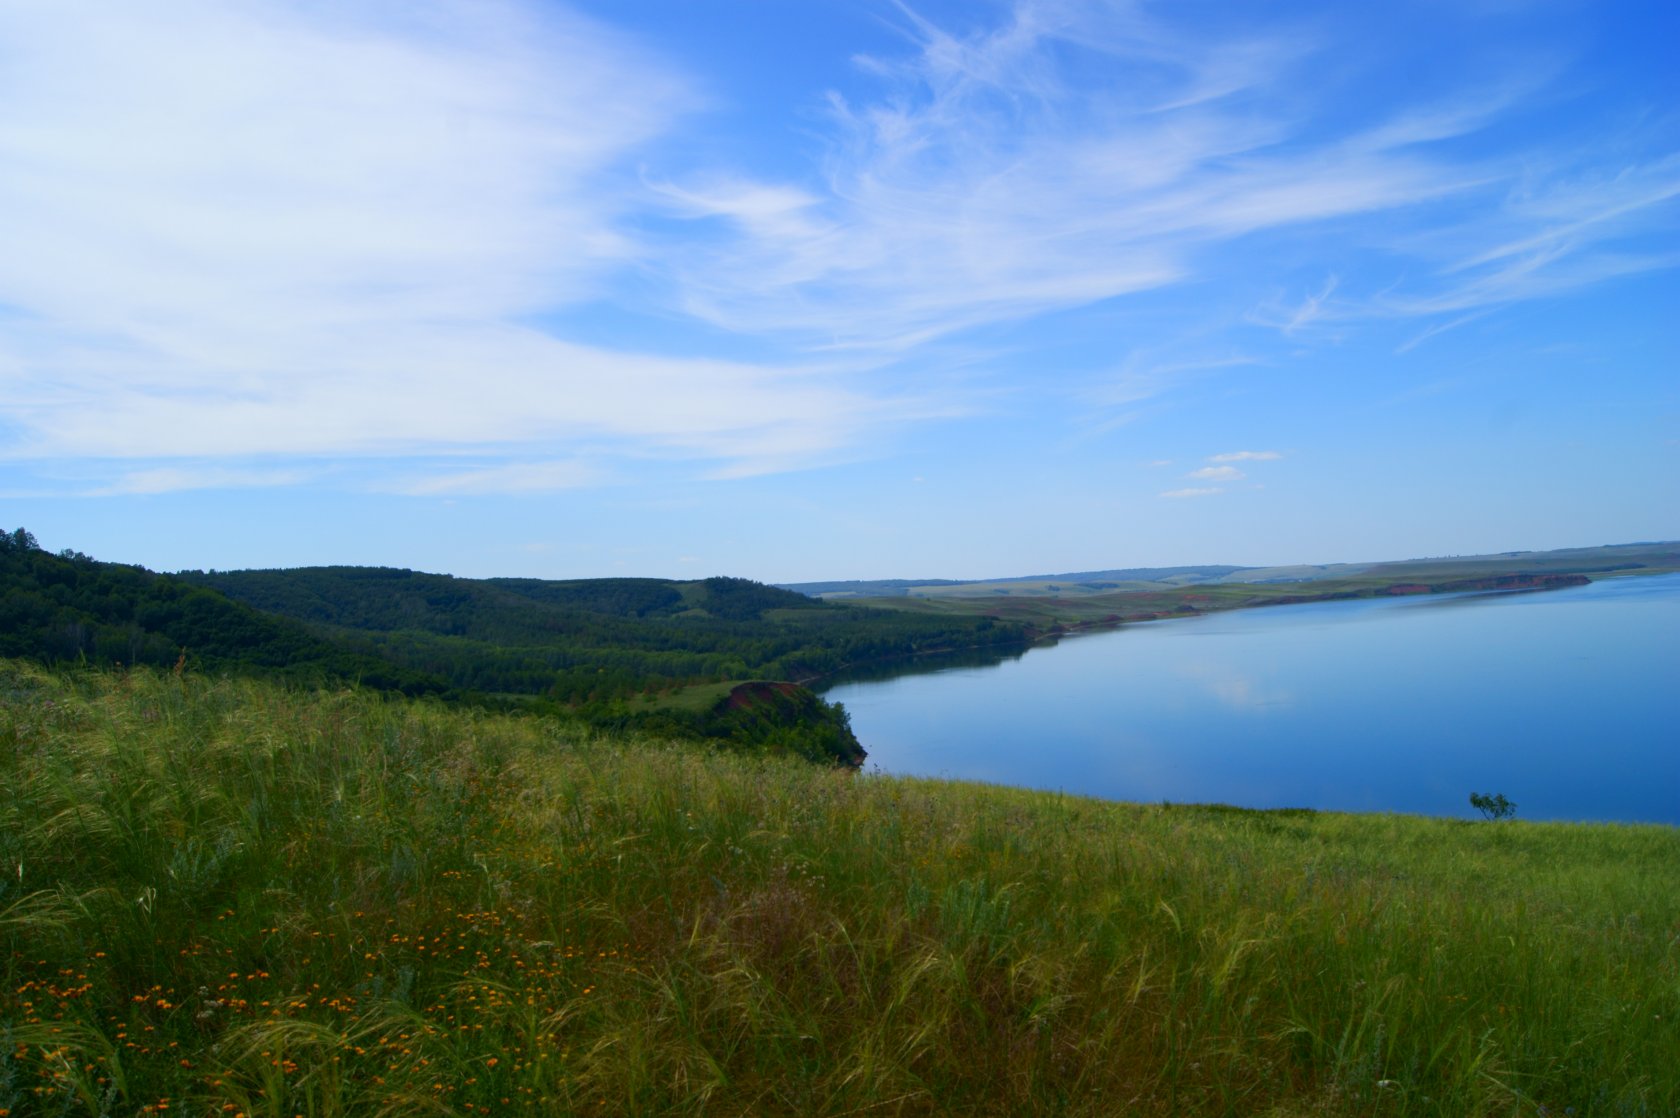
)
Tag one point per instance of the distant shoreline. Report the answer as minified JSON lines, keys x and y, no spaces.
{"x":1037,"y":637}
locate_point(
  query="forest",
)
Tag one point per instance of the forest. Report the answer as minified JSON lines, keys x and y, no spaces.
{"x":68,"y":608}
{"x":618,"y":651}
{"x":592,"y":641}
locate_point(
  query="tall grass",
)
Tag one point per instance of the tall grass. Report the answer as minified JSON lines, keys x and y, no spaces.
{"x":228,"y":898}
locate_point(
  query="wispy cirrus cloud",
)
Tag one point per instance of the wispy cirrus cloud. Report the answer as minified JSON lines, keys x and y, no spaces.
{"x":240,"y":237}
{"x":1246,"y":456}
{"x":987,"y":183}
{"x":175,"y":479}
{"x":1309,"y":310}
{"x":517,"y":477}
{"x":379,"y":394}
{"x":1549,"y":231}
{"x":1216,"y":473}
{"x":1142,"y":377}
{"x":1549,"y":238}
{"x":1193,"y":491}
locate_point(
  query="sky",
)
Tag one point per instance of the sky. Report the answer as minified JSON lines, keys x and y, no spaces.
{"x":826,"y":290}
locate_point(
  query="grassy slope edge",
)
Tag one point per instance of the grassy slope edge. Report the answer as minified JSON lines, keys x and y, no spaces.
{"x":226,"y":897}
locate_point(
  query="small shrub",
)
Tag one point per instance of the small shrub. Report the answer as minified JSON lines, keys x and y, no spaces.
{"x":1493,"y":806}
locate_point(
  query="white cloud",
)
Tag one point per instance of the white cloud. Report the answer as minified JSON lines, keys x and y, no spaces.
{"x":174,"y":479}
{"x":1552,"y":229}
{"x":523,"y":477}
{"x":1441,"y":328}
{"x":1141,"y":377}
{"x":1555,"y":238}
{"x":267,"y":166}
{"x":1216,"y":473}
{"x":1574,"y":214}
{"x":1310,"y":309}
{"x":986,"y":184}
{"x":420,"y":389}
{"x":1192,"y":492}
{"x":271,"y":229}
{"x":1471,"y":111}
{"x":1246,"y":456}
{"x":243,"y":232}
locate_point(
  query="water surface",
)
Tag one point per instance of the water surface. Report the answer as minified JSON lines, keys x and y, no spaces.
{"x":1566,"y":701}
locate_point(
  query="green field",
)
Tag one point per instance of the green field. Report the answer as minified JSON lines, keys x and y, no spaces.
{"x":1077,"y":601}
{"x":1647,"y":558}
{"x":228,"y":897}
{"x":1046,"y":612}
{"x":697,"y":699}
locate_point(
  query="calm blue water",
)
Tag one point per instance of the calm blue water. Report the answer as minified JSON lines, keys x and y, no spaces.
{"x":1566,"y":701}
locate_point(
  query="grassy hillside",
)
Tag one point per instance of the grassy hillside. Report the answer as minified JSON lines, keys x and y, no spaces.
{"x":227,"y":897}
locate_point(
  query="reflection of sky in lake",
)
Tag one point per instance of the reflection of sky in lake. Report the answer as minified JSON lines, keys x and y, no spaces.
{"x":1566,"y":701}
{"x":1227,"y":683}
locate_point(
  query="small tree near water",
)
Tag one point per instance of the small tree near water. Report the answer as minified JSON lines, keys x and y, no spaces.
{"x":1494,"y":806}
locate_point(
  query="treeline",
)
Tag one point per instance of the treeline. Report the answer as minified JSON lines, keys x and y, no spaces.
{"x":585,"y":643}
{"x":588,"y":644}
{"x":70,"y":608}
{"x":759,"y":716}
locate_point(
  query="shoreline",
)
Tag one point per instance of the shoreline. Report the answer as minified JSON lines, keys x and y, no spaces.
{"x":1047,"y":636}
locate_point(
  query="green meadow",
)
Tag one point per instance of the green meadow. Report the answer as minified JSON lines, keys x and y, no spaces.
{"x":233,"y":897}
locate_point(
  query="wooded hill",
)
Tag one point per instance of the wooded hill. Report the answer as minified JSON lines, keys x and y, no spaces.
{"x":592,"y":641}
{"x":622,"y":651}
{"x":70,"y":608}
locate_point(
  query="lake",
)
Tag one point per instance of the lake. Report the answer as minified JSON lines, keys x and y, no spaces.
{"x":1565,"y":701}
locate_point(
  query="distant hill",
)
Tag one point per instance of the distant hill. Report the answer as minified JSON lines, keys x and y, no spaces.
{"x":593,"y":641}
{"x":719,"y":659}
{"x":602,"y":646}
{"x":898,"y":587}
{"x":1609,"y":558}
{"x":70,"y":608}
{"x":578,"y":642}
{"x":505,"y":610}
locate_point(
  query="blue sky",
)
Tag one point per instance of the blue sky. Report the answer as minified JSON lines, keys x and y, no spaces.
{"x":836,"y":290}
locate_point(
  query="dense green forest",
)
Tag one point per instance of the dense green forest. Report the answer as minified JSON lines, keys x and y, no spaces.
{"x":69,"y":608}
{"x":657,"y":655}
{"x":594,"y":641}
